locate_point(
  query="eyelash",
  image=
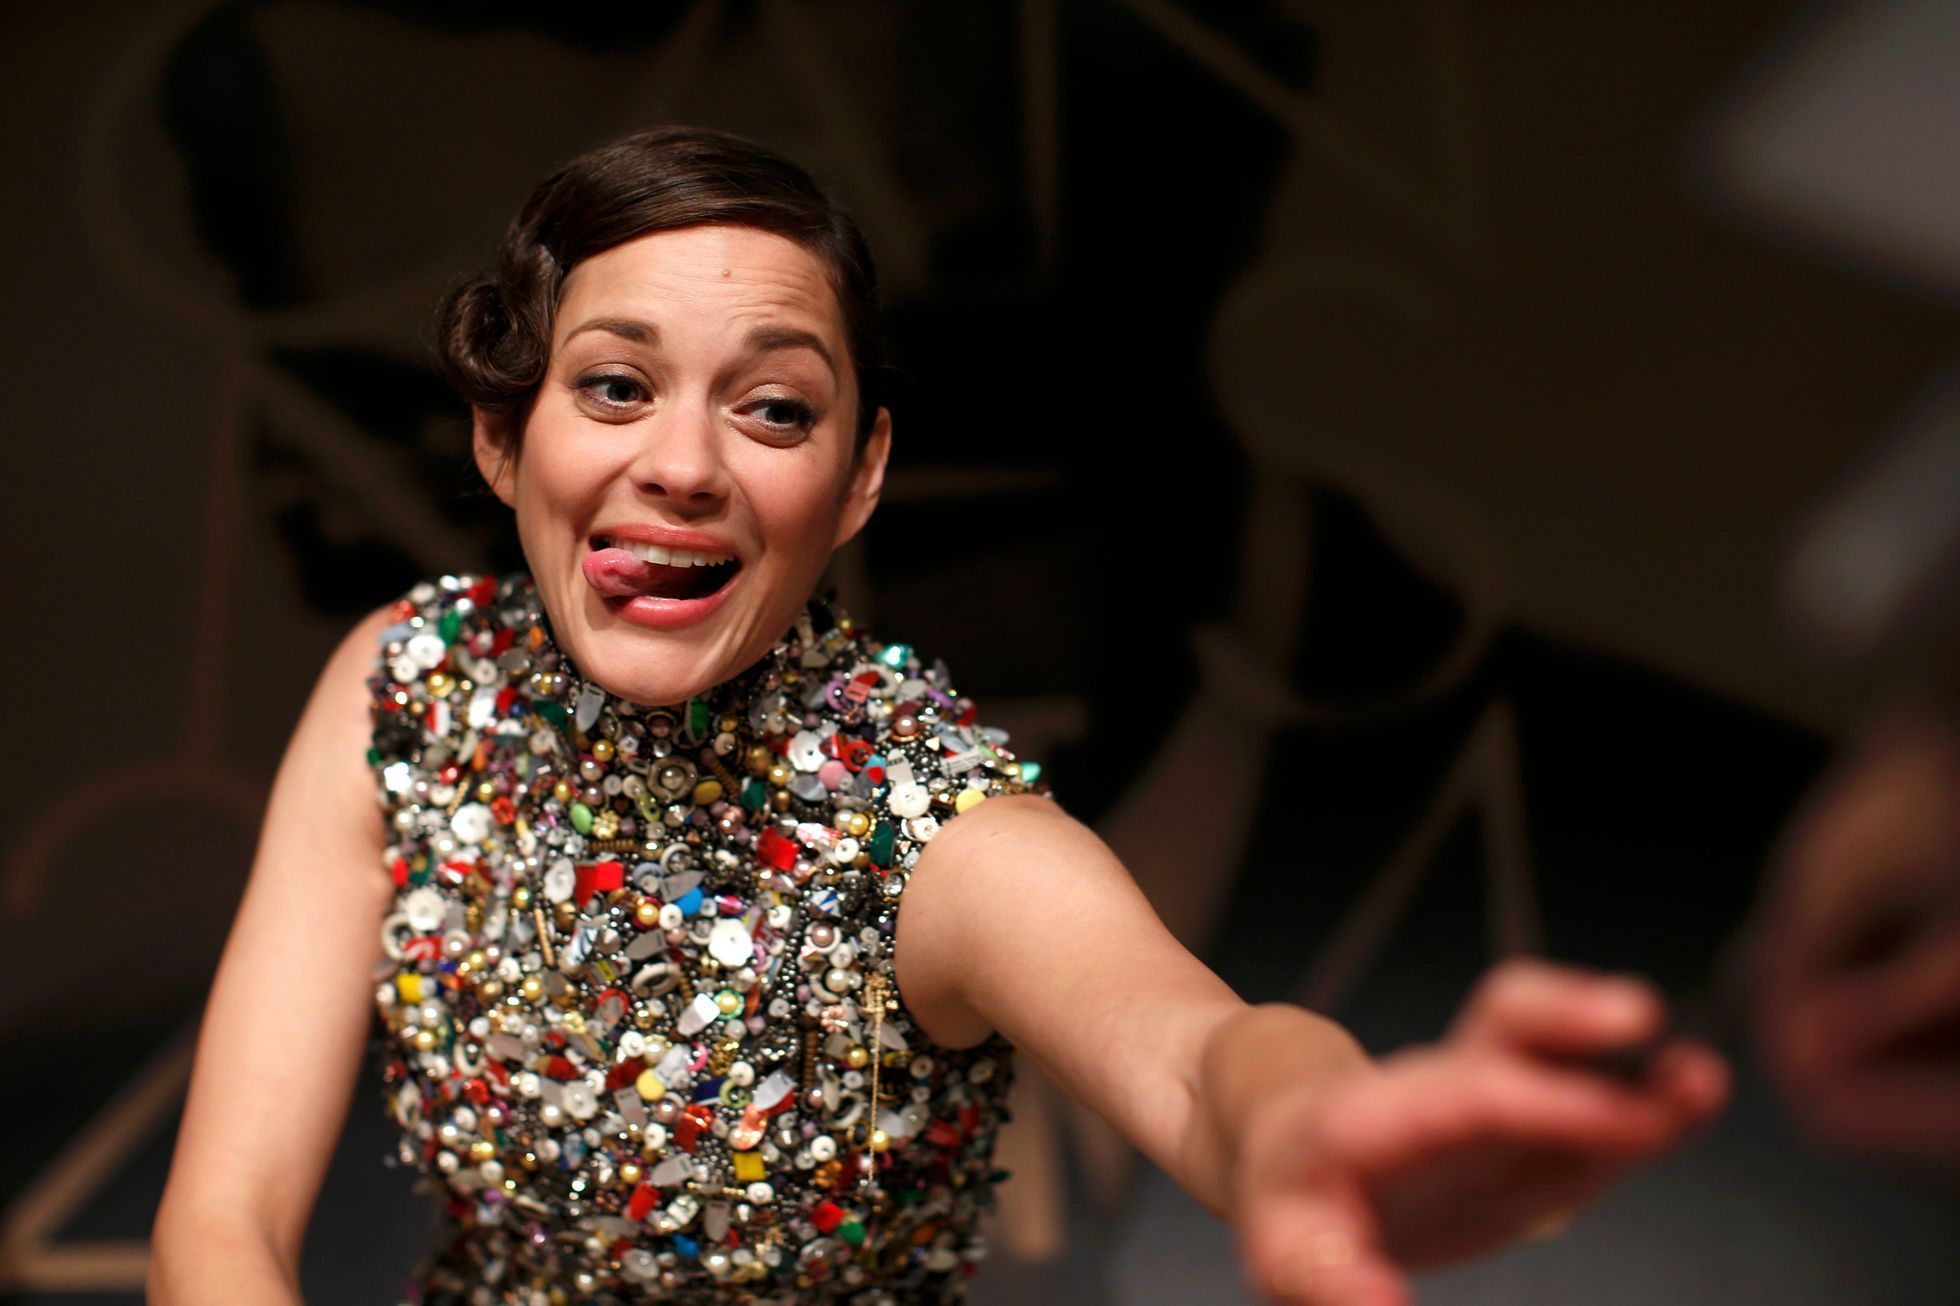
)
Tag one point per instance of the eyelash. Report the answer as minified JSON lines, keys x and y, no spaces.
{"x":802,"y":419}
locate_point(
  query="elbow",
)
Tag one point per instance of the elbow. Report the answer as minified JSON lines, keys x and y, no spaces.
{"x":198,"y":1257}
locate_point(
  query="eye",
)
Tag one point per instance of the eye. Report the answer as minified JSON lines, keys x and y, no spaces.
{"x":784,"y":415}
{"x":614,"y":391}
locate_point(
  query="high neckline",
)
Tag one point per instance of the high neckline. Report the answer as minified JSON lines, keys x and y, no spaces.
{"x":521,"y":606}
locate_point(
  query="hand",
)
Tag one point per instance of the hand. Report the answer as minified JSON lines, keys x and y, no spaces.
{"x":1857,"y":952}
{"x":1443,"y":1152}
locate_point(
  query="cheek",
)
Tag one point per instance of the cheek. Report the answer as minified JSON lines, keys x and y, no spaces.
{"x":797,"y":509}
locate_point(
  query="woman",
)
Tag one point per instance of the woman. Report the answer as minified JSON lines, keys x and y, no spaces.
{"x":704,"y":923}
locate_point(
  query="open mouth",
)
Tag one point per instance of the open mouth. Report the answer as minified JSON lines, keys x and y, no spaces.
{"x":627,"y":569}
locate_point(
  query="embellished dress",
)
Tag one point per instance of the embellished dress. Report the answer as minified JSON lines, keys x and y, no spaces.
{"x":642,"y":1030}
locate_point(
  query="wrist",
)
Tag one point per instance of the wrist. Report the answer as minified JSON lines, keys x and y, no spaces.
{"x":1265,"y":1074}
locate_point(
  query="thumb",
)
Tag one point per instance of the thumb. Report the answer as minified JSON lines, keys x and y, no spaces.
{"x":1318,"y":1247}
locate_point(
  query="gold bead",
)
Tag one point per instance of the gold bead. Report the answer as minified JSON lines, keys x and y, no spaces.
{"x":780,"y":800}
{"x":485,"y":791}
{"x":532,"y":988}
{"x":779,"y":774}
{"x":856,"y":824}
{"x":647,"y":913}
{"x":440,"y":684}
{"x":602,"y":750}
{"x":643,"y":1018}
{"x":880,"y":1140}
{"x":476,"y":960}
{"x":563,"y":791}
{"x":520,"y":897}
{"x":425,"y":1040}
{"x":729,"y":721}
{"x":856,"y":1057}
{"x":629,"y":1173}
{"x":566,"y":913}
{"x":760,"y":759}
{"x":482,"y":1150}
{"x":728,"y":1002}
{"x":707,"y":792}
{"x":491,"y":989}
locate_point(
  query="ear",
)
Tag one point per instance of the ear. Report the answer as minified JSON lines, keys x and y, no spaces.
{"x":490,"y":441}
{"x":867,"y":480}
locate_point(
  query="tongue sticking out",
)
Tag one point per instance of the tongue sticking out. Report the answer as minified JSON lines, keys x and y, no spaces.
{"x":618,"y":574}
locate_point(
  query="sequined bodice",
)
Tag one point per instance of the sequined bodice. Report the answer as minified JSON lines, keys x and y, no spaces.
{"x":641,"y":1019}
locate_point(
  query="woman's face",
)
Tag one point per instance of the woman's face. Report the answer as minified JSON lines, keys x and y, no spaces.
{"x":701,"y":397}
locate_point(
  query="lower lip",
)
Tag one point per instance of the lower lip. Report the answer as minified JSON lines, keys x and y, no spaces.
{"x":670,"y":614}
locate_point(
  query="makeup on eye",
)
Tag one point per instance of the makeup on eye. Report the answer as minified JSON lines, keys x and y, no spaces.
{"x":615,"y":390}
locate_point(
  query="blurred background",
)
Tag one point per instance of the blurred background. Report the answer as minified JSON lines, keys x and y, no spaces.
{"x":1415,"y":471}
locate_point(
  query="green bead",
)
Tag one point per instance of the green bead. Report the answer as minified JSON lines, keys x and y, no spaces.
{"x":852,"y":1232}
{"x":581,"y":818}
{"x":551,"y":710}
{"x":699,"y":719}
{"x":754,"y":796}
{"x":882,"y":838}
{"x":420,"y":872}
{"x":374,"y":757}
{"x":1030,"y":772}
{"x":896,"y":655}
{"x":451,"y":623}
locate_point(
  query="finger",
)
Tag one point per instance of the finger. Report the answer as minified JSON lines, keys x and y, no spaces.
{"x":1693,"y":1077}
{"x":1901,"y":1113}
{"x":1447,"y":1101}
{"x":1855,"y":1013}
{"x":1871,"y":839}
{"x":1317,"y":1246}
{"x":1535,"y":1006}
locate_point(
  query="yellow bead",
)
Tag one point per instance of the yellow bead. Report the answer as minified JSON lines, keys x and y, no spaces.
{"x":409,"y":985}
{"x":969,"y":799}
{"x":728,"y":1002}
{"x":649,"y":1086}
{"x":749,"y":1167}
{"x":602,"y":750}
{"x":706,"y":792}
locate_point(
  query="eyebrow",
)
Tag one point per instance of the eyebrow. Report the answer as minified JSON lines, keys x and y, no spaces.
{"x":761,"y":340}
{"x":640,"y":333}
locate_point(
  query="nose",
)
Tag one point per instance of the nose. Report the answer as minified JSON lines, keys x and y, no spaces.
{"x":679,"y":458}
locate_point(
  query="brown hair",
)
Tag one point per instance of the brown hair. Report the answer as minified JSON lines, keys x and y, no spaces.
{"x":493,"y":330}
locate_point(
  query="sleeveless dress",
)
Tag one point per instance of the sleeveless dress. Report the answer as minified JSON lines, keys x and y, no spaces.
{"x":641,"y":1026}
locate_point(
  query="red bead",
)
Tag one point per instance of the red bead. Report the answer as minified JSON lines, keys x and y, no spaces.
{"x":826,"y":1215}
{"x":774,"y":851}
{"x":641,"y":1202}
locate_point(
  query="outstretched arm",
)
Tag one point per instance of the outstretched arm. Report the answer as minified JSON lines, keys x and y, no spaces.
{"x":1336,"y":1170}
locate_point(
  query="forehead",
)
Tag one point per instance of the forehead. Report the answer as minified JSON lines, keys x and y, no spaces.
{"x":729,"y":275}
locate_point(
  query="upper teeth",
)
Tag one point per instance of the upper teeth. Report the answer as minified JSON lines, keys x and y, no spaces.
{"x":672,"y":557}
